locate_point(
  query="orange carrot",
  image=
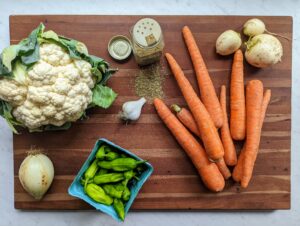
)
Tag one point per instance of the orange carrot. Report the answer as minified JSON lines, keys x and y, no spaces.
{"x":265,"y":104}
{"x":206,"y":127}
{"x":207,"y":90}
{"x":237,"y":98}
{"x":238,"y":169}
{"x":229,"y":148}
{"x":254,"y":98}
{"x":238,"y":172}
{"x":187,"y":119}
{"x":208,"y":171}
{"x":223,"y":168}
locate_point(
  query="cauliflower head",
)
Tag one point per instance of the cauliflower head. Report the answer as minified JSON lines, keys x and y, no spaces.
{"x":56,"y":89}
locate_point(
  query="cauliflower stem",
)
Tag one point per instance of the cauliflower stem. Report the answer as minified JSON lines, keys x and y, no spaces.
{"x":48,"y":81}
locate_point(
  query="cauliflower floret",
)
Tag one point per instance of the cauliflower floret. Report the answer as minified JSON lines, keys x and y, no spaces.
{"x":31,"y":117}
{"x":85,"y":72}
{"x":58,"y":118}
{"x":62,"y":85}
{"x":57,"y":99}
{"x":58,"y":89}
{"x":49,"y":111}
{"x":70,"y":72}
{"x":42,"y":74}
{"x":83,"y":66}
{"x":80,"y":88}
{"x":39,"y":95}
{"x":40,"y":71}
{"x":12,"y":92}
{"x":72,"y":106}
{"x":54,"y":55}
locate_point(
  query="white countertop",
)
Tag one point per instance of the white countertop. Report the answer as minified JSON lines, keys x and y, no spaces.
{"x":10,"y":216}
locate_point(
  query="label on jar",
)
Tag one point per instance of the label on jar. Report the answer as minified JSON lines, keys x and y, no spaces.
{"x":150,"y":39}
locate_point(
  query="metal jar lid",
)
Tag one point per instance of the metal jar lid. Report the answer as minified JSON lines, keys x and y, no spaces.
{"x":119,"y":47}
{"x":146,"y":32}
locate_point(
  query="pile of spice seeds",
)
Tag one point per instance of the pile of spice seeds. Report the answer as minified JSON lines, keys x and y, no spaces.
{"x":149,"y":81}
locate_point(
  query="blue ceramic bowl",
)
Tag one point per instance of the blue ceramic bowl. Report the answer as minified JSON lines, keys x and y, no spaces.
{"x":76,"y":189}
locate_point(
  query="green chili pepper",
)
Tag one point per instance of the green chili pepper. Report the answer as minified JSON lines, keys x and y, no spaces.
{"x":124,"y":189}
{"x":123,"y":156}
{"x":112,"y":156}
{"x":101,"y":153}
{"x":90,"y":172}
{"x":108,"y":178}
{"x":105,"y":152}
{"x":96,"y":193}
{"x":126,"y":194}
{"x":119,"y":207}
{"x":82,"y":181}
{"x":120,"y":186}
{"x":120,"y":164}
{"x":102,"y":171}
{"x":128,"y":176}
{"x":112,"y":191}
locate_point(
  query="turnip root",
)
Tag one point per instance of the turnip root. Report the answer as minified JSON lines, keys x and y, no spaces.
{"x":263,"y":50}
{"x":254,"y":27}
{"x":228,"y":42}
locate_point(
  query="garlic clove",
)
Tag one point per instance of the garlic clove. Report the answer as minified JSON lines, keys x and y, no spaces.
{"x":131,"y":110}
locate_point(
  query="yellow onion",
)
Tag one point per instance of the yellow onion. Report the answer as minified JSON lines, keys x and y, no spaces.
{"x":36,"y":174}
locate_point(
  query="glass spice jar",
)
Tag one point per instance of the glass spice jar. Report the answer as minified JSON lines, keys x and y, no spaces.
{"x":147,"y":41}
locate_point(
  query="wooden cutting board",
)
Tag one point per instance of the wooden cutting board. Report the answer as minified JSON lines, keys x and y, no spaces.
{"x":174,"y":184}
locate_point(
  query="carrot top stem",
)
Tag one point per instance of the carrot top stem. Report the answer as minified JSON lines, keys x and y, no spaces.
{"x":175,"y":108}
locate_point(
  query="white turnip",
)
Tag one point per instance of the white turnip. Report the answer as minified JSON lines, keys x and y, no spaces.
{"x":263,"y":50}
{"x":254,"y":27}
{"x":228,"y":42}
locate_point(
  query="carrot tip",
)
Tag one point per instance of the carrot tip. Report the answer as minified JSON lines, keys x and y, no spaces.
{"x":156,"y":100}
{"x":185,"y":28}
{"x":244,"y":185}
{"x":167,"y":55}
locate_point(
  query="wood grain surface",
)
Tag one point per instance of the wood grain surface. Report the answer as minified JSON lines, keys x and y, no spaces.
{"x":174,"y":184}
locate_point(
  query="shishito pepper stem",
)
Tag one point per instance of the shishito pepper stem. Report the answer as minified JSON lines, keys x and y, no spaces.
{"x":126,"y":194}
{"x":82,"y":181}
{"x":128,"y":176}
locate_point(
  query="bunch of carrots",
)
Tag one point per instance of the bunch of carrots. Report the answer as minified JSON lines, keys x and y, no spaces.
{"x":208,"y":114}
